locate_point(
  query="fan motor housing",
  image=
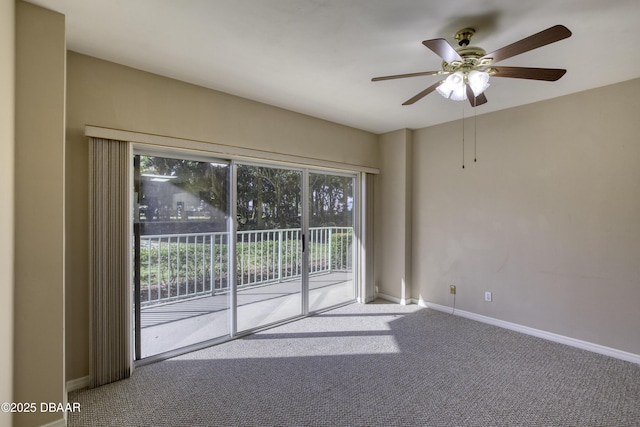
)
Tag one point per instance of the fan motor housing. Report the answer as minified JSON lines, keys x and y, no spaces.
{"x":463,"y":37}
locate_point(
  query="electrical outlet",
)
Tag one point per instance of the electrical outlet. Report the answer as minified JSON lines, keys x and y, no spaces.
{"x":487,"y":296}
{"x":452,"y":289}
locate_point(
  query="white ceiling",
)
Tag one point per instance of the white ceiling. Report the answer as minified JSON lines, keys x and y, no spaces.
{"x":317,"y":57}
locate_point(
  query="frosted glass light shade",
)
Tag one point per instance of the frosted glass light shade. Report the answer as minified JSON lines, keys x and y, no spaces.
{"x":453,"y":87}
{"x":478,"y":81}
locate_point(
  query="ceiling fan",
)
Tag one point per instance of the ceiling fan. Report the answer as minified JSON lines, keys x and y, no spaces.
{"x":468,"y":68}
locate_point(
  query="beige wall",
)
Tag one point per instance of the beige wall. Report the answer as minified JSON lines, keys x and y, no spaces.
{"x":393,"y":215}
{"x":7,"y":138}
{"x":548,"y":219}
{"x":109,"y":95}
{"x":39,"y":204}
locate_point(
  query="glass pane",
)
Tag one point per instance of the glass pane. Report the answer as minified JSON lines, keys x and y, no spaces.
{"x":268,"y":248}
{"x":183,"y":253}
{"x":331,"y":219}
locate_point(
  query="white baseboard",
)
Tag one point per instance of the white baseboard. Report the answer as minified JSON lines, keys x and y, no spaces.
{"x":77,"y":384}
{"x":400,"y":301}
{"x":584,"y":345}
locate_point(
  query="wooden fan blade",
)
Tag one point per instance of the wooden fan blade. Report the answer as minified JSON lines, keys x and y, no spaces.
{"x":422,"y":94}
{"x":547,"y":74}
{"x":402,"y":76}
{"x":475,"y":100}
{"x":443,"y":49}
{"x":543,"y":38}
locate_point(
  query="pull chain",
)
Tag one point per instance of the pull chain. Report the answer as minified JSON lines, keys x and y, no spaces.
{"x":463,"y":136}
{"x":475,"y":144}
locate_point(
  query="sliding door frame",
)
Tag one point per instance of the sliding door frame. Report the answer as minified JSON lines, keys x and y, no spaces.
{"x":234,"y":162}
{"x":232,"y":249}
{"x":304,"y":232}
{"x":357,"y":243}
{"x":142,"y":150}
{"x":306,"y":241}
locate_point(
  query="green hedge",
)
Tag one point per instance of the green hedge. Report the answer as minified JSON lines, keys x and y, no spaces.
{"x":341,"y":251}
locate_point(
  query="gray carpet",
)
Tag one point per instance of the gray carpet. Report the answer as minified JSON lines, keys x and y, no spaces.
{"x":374,"y":365}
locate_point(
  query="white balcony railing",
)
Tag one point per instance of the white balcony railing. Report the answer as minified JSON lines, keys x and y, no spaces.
{"x":177,"y":266}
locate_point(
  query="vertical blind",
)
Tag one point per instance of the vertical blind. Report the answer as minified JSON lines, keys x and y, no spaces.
{"x":109,"y":264}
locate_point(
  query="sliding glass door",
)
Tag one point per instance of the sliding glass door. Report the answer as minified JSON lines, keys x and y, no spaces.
{"x":225,"y":248}
{"x":181,"y":277}
{"x":331,"y":240}
{"x":269,"y":240}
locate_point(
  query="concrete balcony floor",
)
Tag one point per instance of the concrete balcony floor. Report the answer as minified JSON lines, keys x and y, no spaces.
{"x":170,"y":326}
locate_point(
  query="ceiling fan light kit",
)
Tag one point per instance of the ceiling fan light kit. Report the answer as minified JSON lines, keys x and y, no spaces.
{"x":468,"y":68}
{"x":478,"y":81}
{"x":454,"y":86}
